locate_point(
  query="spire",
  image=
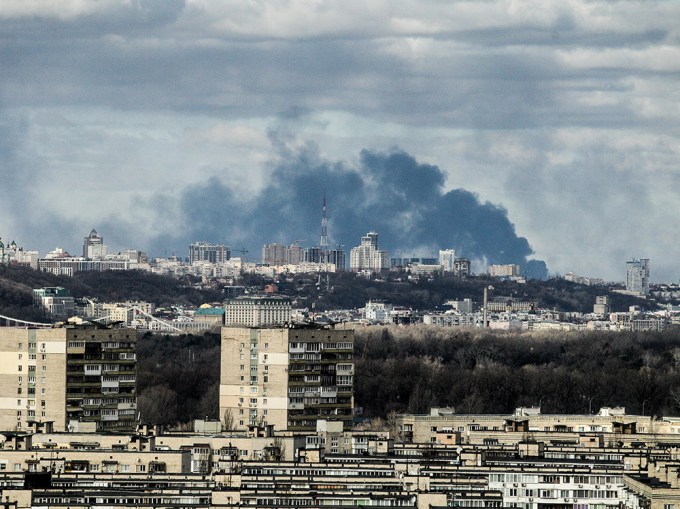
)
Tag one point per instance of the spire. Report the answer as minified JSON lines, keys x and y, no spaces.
{"x":324,"y":226}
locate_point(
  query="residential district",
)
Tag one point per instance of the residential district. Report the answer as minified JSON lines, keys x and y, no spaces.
{"x":212,"y":263}
{"x":288,"y":434}
{"x":71,"y":436}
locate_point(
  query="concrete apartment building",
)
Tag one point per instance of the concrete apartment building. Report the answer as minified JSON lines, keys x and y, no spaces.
{"x":508,"y":270}
{"x":261,"y":469}
{"x":637,"y":276}
{"x":70,"y":376}
{"x":205,"y":252}
{"x":286,"y":377}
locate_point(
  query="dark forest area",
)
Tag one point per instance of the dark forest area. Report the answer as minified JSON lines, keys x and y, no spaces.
{"x":410,"y":369}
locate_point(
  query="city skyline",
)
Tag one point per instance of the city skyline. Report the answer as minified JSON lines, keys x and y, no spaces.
{"x":544,"y":130}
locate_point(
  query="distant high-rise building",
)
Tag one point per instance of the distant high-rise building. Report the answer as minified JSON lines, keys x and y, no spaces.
{"x":93,"y":246}
{"x":274,"y":254}
{"x":461,"y":267}
{"x":367,"y":256}
{"x":637,"y":276}
{"x":313,"y":255}
{"x":295,"y":254}
{"x":337,"y":257}
{"x":447,"y":257}
{"x":205,"y":252}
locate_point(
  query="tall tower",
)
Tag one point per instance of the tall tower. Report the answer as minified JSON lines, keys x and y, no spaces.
{"x":323,"y":244}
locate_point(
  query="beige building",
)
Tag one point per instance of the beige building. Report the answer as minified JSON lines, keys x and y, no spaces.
{"x":67,"y":376}
{"x":257,"y":311}
{"x":286,"y":377}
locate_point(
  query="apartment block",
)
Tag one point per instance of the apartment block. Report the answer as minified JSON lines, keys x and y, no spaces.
{"x":637,"y":276}
{"x":286,"y":377}
{"x":213,"y":253}
{"x":67,"y":376}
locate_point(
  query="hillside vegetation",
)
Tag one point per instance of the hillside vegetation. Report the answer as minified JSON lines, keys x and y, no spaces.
{"x":17,"y":284}
{"x":410,"y":369}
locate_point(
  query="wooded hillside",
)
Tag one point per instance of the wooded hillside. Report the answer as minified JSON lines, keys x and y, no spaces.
{"x":410,"y":369}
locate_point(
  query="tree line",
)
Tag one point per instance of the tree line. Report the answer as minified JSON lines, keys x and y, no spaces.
{"x":411,"y":369}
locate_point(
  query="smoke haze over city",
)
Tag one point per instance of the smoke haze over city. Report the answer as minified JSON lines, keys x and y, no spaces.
{"x":509,"y":131}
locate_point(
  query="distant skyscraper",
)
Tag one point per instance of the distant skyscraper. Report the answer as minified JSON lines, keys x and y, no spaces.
{"x":295,"y":254}
{"x":274,"y":254}
{"x":204,"y":252}
{"x":313,"y":254}
{"x":637,"y":276}
{"x":367,"y":256}
{"x":93,"y":246}
{"x":337,"y":257}
{"x":447,"y":257}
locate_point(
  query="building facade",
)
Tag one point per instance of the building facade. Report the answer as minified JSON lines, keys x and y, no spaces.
{"x":508,"y":270}
{"x":447,"y":257}
{"x":55,"y":301}
{"x":68,"y":376}
{"x":257,"y":311}
{"x":367,"y":256}
{"x":93,"y":246}
{"x":286,"y":377}
{"x":637,"y":276}
{"x":205,"y":252}
{"x":461,"y":267}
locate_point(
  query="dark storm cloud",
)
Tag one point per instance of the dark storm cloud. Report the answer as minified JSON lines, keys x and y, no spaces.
{"x":391,"y":193}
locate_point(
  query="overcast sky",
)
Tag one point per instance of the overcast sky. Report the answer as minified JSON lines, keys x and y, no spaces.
{"x":140,"y":117}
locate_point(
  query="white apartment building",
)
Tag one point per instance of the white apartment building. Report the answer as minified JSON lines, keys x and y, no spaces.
{"x":378,"y":312}
{"x":447,"y":258}
{"x":367,"y":256}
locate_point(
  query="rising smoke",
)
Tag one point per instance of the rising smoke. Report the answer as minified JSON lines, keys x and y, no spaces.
{"x":390,"y":193}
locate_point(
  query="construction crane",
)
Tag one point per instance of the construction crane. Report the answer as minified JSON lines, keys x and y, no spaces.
{"x":243,"y":252}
